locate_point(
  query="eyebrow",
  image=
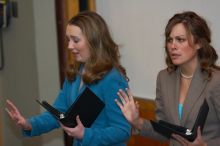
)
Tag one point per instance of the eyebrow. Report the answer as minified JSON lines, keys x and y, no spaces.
{"x":181,"y":36}
{"x":177,"y":36}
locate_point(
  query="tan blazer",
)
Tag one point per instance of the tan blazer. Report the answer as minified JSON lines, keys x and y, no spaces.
{"x":167,"y":100}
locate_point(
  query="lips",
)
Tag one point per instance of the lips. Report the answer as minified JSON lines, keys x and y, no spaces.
{"x":75,"y":52}
{"x":175,"y":56}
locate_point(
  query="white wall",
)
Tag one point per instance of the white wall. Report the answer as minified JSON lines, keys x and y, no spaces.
{"x":138,"y":25}
{"x":47,"y":60}
{"x":31,"y":68}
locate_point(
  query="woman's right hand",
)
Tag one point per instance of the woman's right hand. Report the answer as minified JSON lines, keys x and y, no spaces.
{"x":129,"y":108}
{"x":16,"y":116}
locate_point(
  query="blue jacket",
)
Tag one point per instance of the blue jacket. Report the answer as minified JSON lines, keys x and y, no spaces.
{"x":109,"y":129}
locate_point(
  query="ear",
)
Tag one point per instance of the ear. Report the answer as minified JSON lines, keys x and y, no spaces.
{"x":197,"y":46}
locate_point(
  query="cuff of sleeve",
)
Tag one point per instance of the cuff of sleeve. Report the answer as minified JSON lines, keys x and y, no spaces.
{"x":87,"y":137}
{"x":27,"y":133}
{"x":135,"y":131}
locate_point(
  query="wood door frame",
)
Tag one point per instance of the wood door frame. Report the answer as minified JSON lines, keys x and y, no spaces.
{"x":61,"y":20}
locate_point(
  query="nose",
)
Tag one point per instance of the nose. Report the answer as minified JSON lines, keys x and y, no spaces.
{"x":173,"y":45}
{"x":70,"y":45}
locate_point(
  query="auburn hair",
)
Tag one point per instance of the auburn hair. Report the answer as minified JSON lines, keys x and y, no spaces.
{"x":196,"y":27}
{"x":104,"y":52}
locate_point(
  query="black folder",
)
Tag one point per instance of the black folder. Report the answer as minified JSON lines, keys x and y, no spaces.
{"x":167,"y":129}
{"x":87,"y":106}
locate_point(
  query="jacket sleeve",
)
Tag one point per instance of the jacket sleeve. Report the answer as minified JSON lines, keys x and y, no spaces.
{"x":118,"y":129}
{"x":147,"y":129}
{"x":215,"y":94}
{"x":45,"y":122}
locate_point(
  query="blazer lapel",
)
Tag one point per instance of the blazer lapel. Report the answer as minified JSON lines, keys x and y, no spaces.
{"x":174,"y":96}
{"x":196,"y":88}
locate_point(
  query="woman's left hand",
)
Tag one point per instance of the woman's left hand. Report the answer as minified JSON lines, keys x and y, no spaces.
{"x":76,"y":132}
{"x":184,"y":142}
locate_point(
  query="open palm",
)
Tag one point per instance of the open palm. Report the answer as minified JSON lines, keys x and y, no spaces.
{"x":129,"y":108}
{"x":16,"y":116}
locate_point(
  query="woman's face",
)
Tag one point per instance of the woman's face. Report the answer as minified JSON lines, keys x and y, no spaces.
{"x":180,"y":47}
{"x":77,"y":43}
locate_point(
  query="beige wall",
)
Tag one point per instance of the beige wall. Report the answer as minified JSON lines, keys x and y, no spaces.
{"x":1,"y":117}
{"x":1,"y":140}
{"x":31,"y":69}
{"x":142,"y":39}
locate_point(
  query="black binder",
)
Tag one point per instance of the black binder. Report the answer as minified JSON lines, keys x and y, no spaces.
{"x":87,"y":106}
{"x":167,"y":129}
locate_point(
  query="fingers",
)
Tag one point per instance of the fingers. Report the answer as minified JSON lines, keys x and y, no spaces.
{"x":137,"y":105}
{"x":77,"y":131}
{"x":130,"y":95}
{"x":126,"y":99}
{"x":66,"y":129}
{"x":199,"y":137}
{"x":78,"y":120}
{"x":9,"y":113}
{"x":181,"y":140}
{"x":119,"y":104}
{"x":199,"y":134}
{"x":123,"y":96}
{"x":11,"y":107}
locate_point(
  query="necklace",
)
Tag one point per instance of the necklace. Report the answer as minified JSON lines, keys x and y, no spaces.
{"x":185,"y":76}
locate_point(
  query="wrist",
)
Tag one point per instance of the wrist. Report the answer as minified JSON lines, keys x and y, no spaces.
{"x":138,"y":123}
{"x":27,"y":126}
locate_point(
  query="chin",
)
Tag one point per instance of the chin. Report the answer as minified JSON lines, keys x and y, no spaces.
{"x":80,"y":60}
{"x":176,"y":63}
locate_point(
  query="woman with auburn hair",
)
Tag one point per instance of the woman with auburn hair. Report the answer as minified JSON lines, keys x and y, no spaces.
{"x":97,"y":67}
{"x":191,"y":77}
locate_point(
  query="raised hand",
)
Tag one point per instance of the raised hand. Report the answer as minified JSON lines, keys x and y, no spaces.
{"x":16,"y":116}
{"x":197,"y":142}
{"x":129,"y":108}
{"x":76,"y":132}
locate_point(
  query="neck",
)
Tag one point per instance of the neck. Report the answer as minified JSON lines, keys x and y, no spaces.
{"x":187,"y":69}
{"x":185,"y":76}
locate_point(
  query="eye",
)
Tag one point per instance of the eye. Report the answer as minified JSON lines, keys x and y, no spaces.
{"x":180,"y":39}
{"x":169,"y":40}
{"x":74,"y":39}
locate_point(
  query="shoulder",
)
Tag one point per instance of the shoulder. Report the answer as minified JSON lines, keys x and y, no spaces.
{"x":164,"y":73}
{"x":216,"y":74}
{"x":215,"y":77}
{"x":113,"y":74}
{"x":167,"y":77}
{"x":113,"y":78}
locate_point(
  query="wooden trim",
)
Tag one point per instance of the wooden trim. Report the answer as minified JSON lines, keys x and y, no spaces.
{"x":72,"y":8}
{"x":61,"y":18}
{"x":147,"y":108}
{"x":61,"y":21}
{"x":92,"y":5}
